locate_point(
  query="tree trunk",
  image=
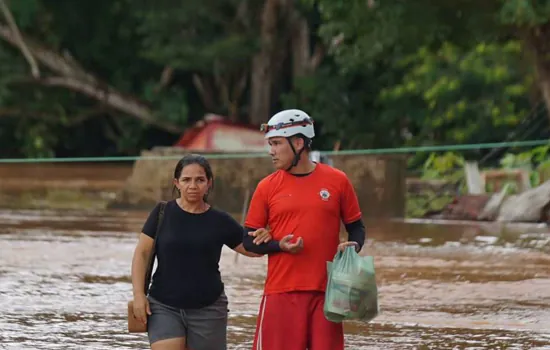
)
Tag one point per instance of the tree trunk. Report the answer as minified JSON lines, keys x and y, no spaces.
{"x":73,"y":77}
{"x":206,"y":92}
{"x":236,"y":93}
{"x":300,"y":47}
{"x":261,"y":79}
{"x":304,"y":62}
{"x":537,"y":41}
{"x":19,"y":40}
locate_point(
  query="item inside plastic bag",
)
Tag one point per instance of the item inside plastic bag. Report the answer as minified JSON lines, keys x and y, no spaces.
{"x":351,"y":292}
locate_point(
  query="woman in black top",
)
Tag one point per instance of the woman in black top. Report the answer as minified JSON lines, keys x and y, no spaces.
{"x":186,"y":308}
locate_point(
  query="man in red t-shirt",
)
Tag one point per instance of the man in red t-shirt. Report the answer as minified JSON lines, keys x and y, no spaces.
{"x":303,"y":203}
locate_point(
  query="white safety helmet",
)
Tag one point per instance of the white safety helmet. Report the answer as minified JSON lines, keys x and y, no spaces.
{"x":288,"y":123}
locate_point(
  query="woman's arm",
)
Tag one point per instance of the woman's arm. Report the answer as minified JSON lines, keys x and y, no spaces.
{"x":139,"y":263}
{"x":237,"y":233}
{"x":240,"y":249}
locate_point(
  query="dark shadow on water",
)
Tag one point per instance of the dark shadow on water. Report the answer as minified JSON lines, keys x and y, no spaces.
{"x":105,"y":279}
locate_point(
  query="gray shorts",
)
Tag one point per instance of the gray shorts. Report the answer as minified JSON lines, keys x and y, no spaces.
{"x":204,"y":329}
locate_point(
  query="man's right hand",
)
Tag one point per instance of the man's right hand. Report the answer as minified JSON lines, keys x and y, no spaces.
{"x":141,"y":308}
{"x":293,"y":248}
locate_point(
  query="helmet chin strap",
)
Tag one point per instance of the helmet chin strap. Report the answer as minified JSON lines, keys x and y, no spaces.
{"x":296,"y":154}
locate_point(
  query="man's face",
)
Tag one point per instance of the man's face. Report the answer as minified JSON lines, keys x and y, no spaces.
{"x":281,"y":152}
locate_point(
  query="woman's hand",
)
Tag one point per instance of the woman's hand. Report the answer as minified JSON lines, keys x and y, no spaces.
{"x":261,"y":235}
{"x":141,"y":308}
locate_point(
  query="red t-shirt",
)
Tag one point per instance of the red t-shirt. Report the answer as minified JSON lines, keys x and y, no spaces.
{"x":311,"y":207}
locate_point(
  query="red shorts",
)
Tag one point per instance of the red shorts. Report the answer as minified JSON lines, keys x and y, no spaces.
{"x":295,"y":321}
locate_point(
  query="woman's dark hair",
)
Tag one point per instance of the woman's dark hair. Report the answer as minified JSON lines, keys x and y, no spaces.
{"x":189,"y":159}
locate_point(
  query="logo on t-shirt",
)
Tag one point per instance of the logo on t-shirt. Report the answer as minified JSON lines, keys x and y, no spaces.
{"x":325,"y":194}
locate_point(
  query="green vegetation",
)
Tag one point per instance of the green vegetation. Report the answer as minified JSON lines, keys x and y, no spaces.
{"x":113,"y":77}
{"x":448,"y":168}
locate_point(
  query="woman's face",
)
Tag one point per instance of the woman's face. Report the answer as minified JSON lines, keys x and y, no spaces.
{"x":193,"y":183}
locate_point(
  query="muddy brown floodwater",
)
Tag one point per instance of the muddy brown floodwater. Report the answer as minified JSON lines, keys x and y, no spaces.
{"x":64,"y":284}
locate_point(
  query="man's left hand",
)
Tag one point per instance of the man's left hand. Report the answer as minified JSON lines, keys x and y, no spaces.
{"x":343,"y":246}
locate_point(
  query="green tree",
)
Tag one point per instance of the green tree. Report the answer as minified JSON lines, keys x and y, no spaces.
{"x":456,"y":96}
{"x":369,"y":29}
{"x":345,"y":107}
{"x":133,"y":69}
{"x":70,"y":58}
{"x":113,"y":77}
{"x":214,"y":41}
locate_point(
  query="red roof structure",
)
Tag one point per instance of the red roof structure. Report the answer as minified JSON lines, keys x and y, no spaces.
{"x":215,"y":134}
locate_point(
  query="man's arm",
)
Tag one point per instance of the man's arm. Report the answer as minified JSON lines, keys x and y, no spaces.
{"x":351,"y":215}
{"x":356,"y":233}
{"x":272,"y":246}
{"x":257,"y":216}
